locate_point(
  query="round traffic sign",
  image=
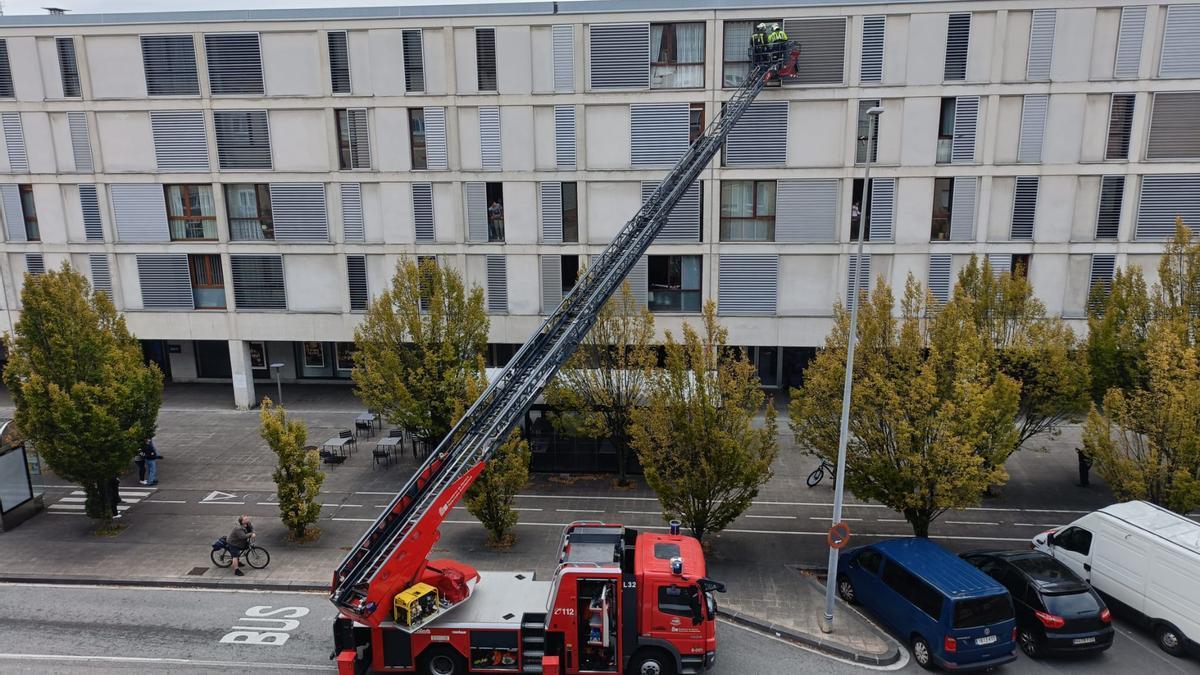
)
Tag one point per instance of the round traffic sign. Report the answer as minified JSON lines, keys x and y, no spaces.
{"x":839,"y":535}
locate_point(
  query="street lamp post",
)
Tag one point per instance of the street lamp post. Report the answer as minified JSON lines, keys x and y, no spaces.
{"x":277,"y":368}
{"x":839,"y":483}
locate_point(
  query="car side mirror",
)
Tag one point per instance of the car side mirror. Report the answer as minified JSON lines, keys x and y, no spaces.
{"x":1050,"y":539}
{"x":697,"y":611}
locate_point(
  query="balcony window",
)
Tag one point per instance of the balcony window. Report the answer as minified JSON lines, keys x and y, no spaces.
{"x":748,"y":210}
{"x":249,"y":208}
{"x":208,"y":282}
{"x":29,"y":213}
{"x":416,"y":138}
{"x":736,"y":53}
{"x":191,"y":213}
{"x":945,"y":142}
{"x":570,"y":272}
{"x":570,"y":214}
{"x":695,"y":122}
{"x":495,"y":212}
{"x":674,"y":283}
{"x":943,"y":203}
{"x":676,"y":55}
{"x":1020,"y":265}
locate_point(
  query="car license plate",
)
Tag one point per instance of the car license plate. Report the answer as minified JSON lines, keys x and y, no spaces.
{"x":1083,"y":641}
{"x":985,"y":640}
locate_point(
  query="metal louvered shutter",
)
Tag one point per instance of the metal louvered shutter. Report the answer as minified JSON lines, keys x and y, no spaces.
{"x":639,"y":281}
{"x":871,"y":68}
{"x":298,"y":211}
{"x":435,"y":138}
{"x":962,"y":213}
{"x":563,"y":37}
{"x":658,"y":133}
{"x":806,"y":210}
{"x":564,"y":136}
{"x":1165,"y":197}
{"x":477,"y":216}
{"x":140,"y":211}
{"x":1103,"y":266}
{"x":1041,"y":45}
{"x":1129,"y":42}
{"x":823,"y":45}
{"x":81,"y":143}
{"x":864,"y":284}
{"x":497,"y":284}
{"x":353,"y":229}
{"x":551,"y":198}
{"x":958,"y":40}
{"x":101,"y":273}
{"x":234,"y":63}
{"x":89,"y":205}
{"x":883,"y":197}
{"x":999,"y":264}
{"x":747,"y":285}
{"x":258,"y":282}
{"x":422,"y":199}
{"x":939,"y":276}
{"x":1120,"y":127}
{"x":760,"y":137}
{"x":360,"y":138}
{"x":35,"y":263}
{"x":356,"y":279}
{"x":966,"y":118}
{"x":489,"y":137}
{"x":1108,"y":214}
{"x":552,"y":292}
{"x":414,"y":60}
{"x":243,"y":139}
{"x":485,"y":58}
{"x":169,"y":62}
{"x":683,"y":222}
{"x":165,"y":280}
{"x":1174,"y":126}
{"x":14,"y":214}
{"x":180,"y":143}
{"x":1033,"y":126}
{"x":1025,"y":197}
{"x":14,"y":141}
{"x":1181,"y":42}
{"x":68,"y":67}
{"x":6,"y":84}
{"x":339,"y":62}
{"x":620,"y":56}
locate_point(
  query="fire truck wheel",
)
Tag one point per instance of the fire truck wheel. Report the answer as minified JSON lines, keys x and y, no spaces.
{"x":442,"y":661}
{"x":652,"y":662}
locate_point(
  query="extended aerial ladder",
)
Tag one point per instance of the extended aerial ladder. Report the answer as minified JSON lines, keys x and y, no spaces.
{"x":393,"y":553}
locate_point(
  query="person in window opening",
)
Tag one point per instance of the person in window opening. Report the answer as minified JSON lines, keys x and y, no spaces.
{"x":496,"y":220}
{"x":777,"y":42}
{"x":758,"y":42}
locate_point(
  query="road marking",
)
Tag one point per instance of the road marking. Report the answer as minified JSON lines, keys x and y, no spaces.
{"x":642,"y":513}
{"x":247,"y":665}
{"x":516,"y":508}
{"x":819,"y":518}
{"x":615,"y":499}
{"x":72,"y":508}
{"x":224,"y":503}
{"x":968,"y":522}
{"x":891,"y":520}
{"x":387,"y":494}
{"x":218,"y":496}
{"x":774,"y":503}
{"x":580,"y":510}
{"x":739,"y":531}
{"x":773,"y":517}
{"x":1036,"y":525}
{"x":267,"y":503}
{"x":167,"y":501}
{"x":351,"y":506}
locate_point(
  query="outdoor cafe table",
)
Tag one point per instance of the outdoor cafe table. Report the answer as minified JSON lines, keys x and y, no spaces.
{"x":337,"y":444}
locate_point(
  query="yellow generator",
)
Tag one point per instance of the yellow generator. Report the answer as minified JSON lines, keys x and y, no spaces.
{"x":415,"y":603}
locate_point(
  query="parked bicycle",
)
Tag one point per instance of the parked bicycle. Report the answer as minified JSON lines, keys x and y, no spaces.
{"x":818,"y":474}
{"x":254,"y":555}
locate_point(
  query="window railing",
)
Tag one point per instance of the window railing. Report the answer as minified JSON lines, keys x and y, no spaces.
{"x":189,"y":228}
{"x":945,"y":148}
{"x":748,"y":229}
{"x":673,"y":300}
{"x":251,"y":229}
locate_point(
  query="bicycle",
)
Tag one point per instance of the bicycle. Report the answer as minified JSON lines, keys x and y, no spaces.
{"x":253,"y":555}
{"x":818,"y":474}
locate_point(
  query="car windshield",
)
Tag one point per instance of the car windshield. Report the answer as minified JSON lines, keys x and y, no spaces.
{"x":982,"y":611}
{"x":1046,"y":570}
{"x":1071,"y":604}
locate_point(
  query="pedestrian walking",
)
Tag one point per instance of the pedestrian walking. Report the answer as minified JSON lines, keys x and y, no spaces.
{"x":150,"y":457}
{"x":113,"y":493}
{"x":1085,"y":465}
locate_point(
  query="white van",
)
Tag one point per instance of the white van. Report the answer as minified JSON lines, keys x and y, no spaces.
{"x":1140,"y":557}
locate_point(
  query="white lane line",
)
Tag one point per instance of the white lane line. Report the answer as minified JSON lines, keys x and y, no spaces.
{"x":351,"y":506}
{"x":267,"y":504}
{"x":79,"y":507}
{"x":641,"y":513}
{"x":614,"y":499}
{"x":67,"y":513}
{"x":891,"y":520}
{"x":223,"y":503}
{"x":167,"y":501}
{"x":772,"y":517}
{"x":968,"y":522}
{"x":163,"y":660}
{"x":823,"y":518}
{"x":1037,"y":524}
{"x":580,"y":510}
{"x":72,"y":499}
{"x":516,"y":508}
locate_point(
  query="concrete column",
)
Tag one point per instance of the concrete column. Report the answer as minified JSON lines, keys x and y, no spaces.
{"x":243,"y":376}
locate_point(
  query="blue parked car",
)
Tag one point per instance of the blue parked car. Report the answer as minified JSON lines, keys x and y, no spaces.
{"x":951,"y":614}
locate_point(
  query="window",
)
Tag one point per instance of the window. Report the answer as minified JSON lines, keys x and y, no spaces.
{"x":987,"y":611}
{"x":170,"y":65}
{"x":1103,"y":266}
{"x":958,"y":38}
{"x":496,"y":295}
{"x":695,"y":122}
{"x":249,"y":211}
{"x":869,"y":560}
{"x":1108,"y":216}
{"x":570,"y":215}
{"x":1024,"y":207}
{"x":208,"y":281}
{"x":945,"y":142}
{"x":871,"y":65}
{"x":89,"y":206}
{"x":676,"y":55}
{"x":495,"y":211}
{"x":165,"y":280}
{"x":877,"y":204}
{"x":234,"y":63}
{"x":1129,"y":42}
{"x":1163,"y":198}
{"x":1174,"y":128}
{"x":1120,"y":126}
{"x":180,"y":141}
{"x":678,"y":600}
{"x":823,"y":45}
{"x":1033,"y":126}
{"x":68,"y":68}
{"x":858,"y":195}
{"x":1041,"y":45}
{"x":29,"y":213}
{"x":913,"y":589}
{"x":422,"y":198}
{"x":414,"y":60}
{"x":191,"y":213}
{"x":748,"y":210}
{"x":485,"y":58}
{"x":570,"y":272}
{"x":354,"y":142}
{"x":339,"y":62}
{"x":416,"y":137}
{"x":258,"y":282}
{"x":1018,"y":265}
{"x":760,"y":137}
{"x":6,"y":85}
{"x":490,"y":152}
{"x":864,"y":133}
{"x":673,"y":283}
{"x":620,"y":56}
{"x":243,"y":139}
{"x":563,"y":37}
{"x":1179,"y":46}
{"x":736,"y":51}
{"x":748,"y":285}
{"x":943,"y":202}
{"x":101,"y":273}
{"x":564,"y":136}
{"x":426,"y":270}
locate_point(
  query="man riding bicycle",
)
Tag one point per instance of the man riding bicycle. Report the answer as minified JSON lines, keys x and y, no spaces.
{"x":239,"y":540}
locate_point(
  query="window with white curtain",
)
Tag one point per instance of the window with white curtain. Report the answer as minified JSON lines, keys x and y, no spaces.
{"x":249,"y":207}
{"x":191,"y":213}
{"x":747,"y":210}
{"x":676,"y":55}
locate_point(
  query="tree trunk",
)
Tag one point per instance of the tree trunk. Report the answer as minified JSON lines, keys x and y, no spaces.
{"x":97,"y":504}
{"x":920,"y":520}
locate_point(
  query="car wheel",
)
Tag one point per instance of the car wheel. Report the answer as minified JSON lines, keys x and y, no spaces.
{"x":1029,"y":644}
{"x":845,"y":588}
{"x":922,"y":654}
{"x":1170,"y":640}
{"x":651,"y":663}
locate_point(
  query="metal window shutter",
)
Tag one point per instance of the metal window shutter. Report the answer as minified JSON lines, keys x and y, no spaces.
{"x":35,"y":263}
{"x":1103,"y":266}
{"x":747,"y":284}
{"x":339,"y":62}
{"x":422,"y":199}
{"x":1120,"y":127}
{"x":435,"y":138}
{"x":68,"y":67}
{"x":871,"y":68}
{"x":806,"y":210}
{"x":1108,"y":215}
{"x":1025,"y":198}
{"x":1174,"y":126}
{"x":14,"y":215}
{"x":658,"y":133}
{"x":683,"y":222}
{"x":551,"y":282}
{"x":620,"y":56}
{"x":243,"y":139}
{"x":414,"y":60}
{"x":140,"y":210}
{"x":939,"y":276}
{"x":883,"y":197}
{"x":1129,"y":42}
{"x":1041,"y":45}
{"x":958,"y":40}
{"x":299,"y":213}
{"x":360,"y":138}
{"x":966,"y":119}
{"x":180,"y":142}
{"x":564,"y":58}
{"x":353,"y":229}
{"x":101,"y":273}
{"x":823,"y":45}
{"x":6,"y":85}
{"x":234,"y":63}
{"x":165,"y":280}
{"x":489,"y":137}
{"x":962,"y":211}
{"x":1165,"y":197}
{"x":485,"y":58}
{"x":356,"y":279}
{"x":1181,"y":42}
{"x":1033,"y":126}
{"x":639,"y":281}
{"x":551,"y":198}
{"x":852,"y":273}
{"x":14,"y":140}
{"x":564,"y":136}
{"x":760,"y":137}
{"x":81,"y":144}
{"x":258,"y":281}
{"x":1000,"y":263}
{"x":477,"y":221}
{"x":169,"y":62}
{"x":497,"y":284}
{"x":89,"y":205}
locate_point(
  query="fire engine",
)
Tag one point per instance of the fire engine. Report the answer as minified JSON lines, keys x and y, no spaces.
{"x":620,"y":601}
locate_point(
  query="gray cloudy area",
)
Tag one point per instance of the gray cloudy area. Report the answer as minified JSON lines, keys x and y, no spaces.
{"x":108,"y":6}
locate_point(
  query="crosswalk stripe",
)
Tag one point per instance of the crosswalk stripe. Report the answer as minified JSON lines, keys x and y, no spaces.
{"x":125,"y":497}
{"x":81,"y":507}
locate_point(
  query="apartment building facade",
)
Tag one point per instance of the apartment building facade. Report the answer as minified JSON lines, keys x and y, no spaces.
{"x":242,"y":183}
